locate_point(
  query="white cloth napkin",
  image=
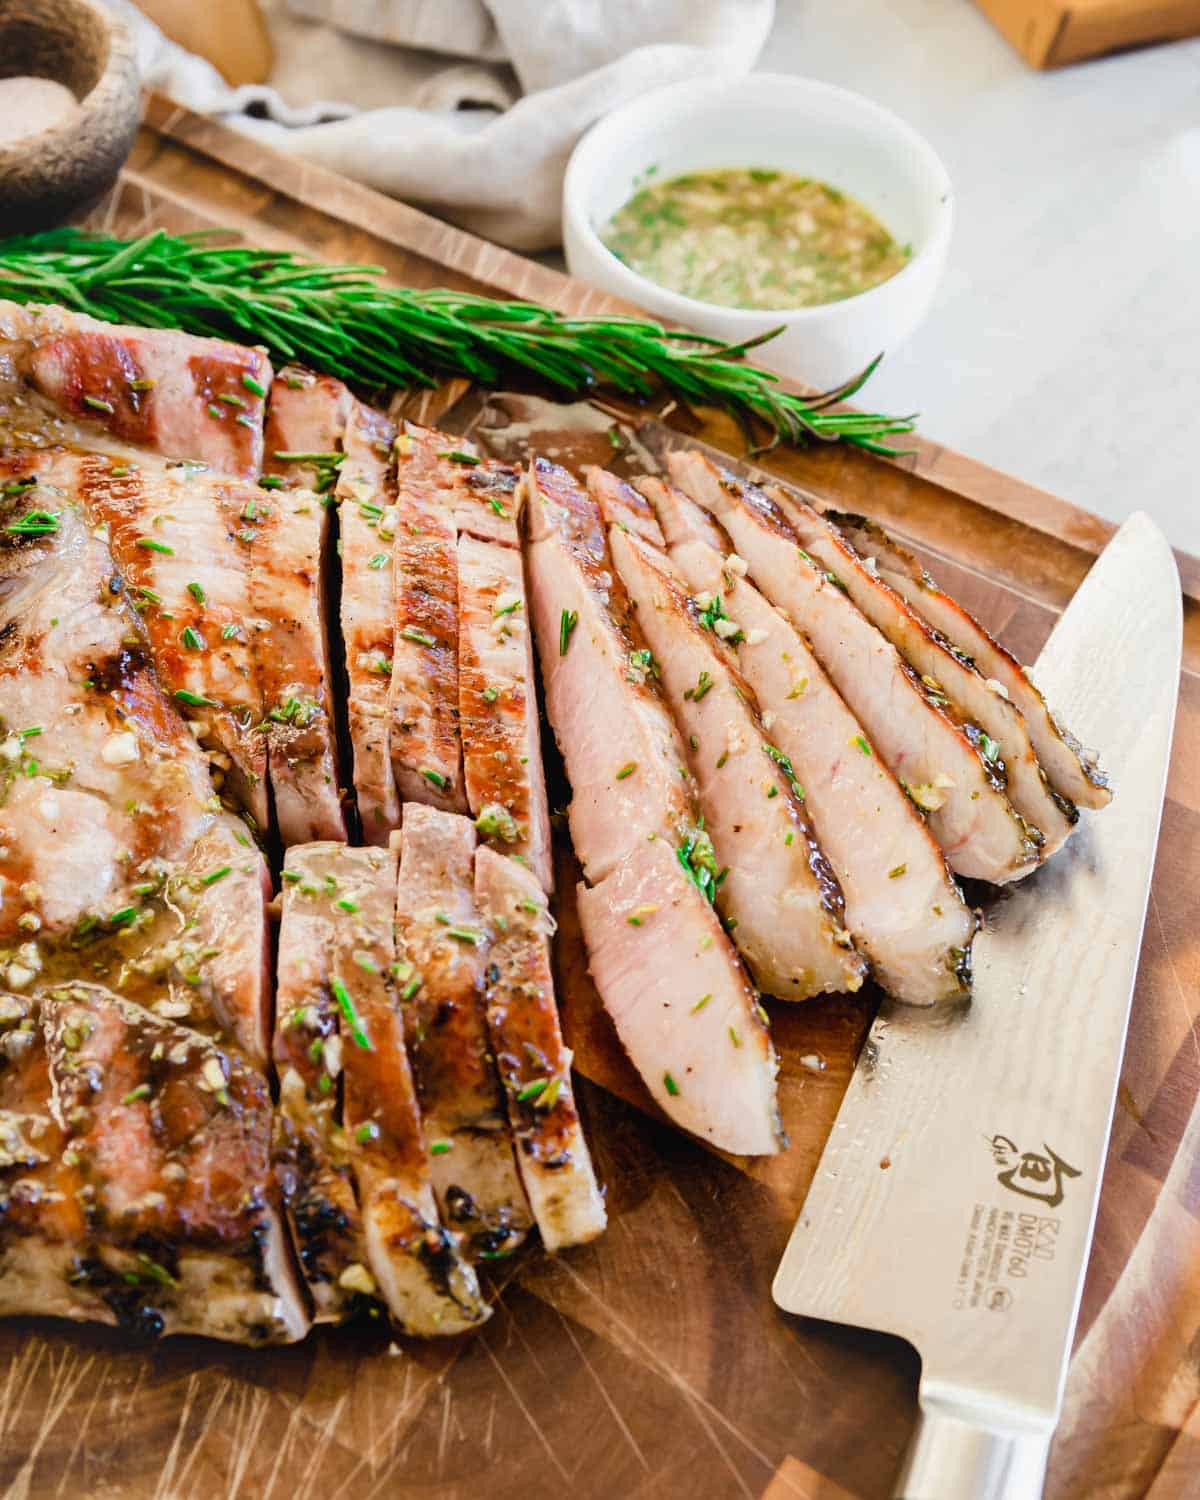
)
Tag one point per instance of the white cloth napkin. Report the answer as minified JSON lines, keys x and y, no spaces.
{"x":368,"y":88}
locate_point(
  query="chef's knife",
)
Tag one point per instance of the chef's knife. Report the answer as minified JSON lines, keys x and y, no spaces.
{"x":955,"y":1200}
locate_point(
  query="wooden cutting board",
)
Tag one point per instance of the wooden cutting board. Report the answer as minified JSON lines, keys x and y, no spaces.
{"x":654,"y":1364}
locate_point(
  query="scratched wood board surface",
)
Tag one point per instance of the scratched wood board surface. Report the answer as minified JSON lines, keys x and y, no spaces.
{"x":654,"y":1363}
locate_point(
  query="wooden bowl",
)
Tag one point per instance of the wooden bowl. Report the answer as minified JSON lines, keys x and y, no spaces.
{"x":46,"y":175}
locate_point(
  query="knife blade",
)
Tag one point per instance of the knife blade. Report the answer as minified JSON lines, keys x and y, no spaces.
{"x":956,"y":1197}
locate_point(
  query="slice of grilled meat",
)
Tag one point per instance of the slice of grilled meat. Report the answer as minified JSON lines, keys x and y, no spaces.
{"x":426,"y":747}
{"x":289,"y":563}
{"x":441,"y":951}
{"x":1070,"y":769}
{"x":777,"y":892}
{"x":996,"y":727}
{"x":155,"y":389}
{"x":351,"y":1147}
{"x":502,"y":752}
{"x":651,"y":931}
{"x":533,"y":1061}
{"x":417,"y":1262}
{"x":135,"y":1179}
{"x":903,"y":908}
{"x":366,"y":510}
{"x":907,"y":723}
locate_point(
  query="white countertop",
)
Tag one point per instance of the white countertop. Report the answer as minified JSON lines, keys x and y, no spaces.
{"x":1064,"y":344}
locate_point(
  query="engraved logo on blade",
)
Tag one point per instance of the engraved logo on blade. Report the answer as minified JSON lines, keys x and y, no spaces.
{"x":1033,"y":1174}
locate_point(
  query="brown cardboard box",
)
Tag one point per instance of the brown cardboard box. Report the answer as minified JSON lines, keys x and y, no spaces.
{"x":1048,"y":33}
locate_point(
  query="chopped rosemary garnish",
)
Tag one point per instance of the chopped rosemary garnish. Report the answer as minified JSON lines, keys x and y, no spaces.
{"x":698,"y":858}
{"x":700,"y":1004}
{"x":496,"y":822}
{"x":641,"y":665}
{"x":713,"y":613}
{"x":346,"y":321}
{"x":342,"y":995}
{"x":784,"y":763}
{"x":35,"y":523}
{"x":703,"y":683}
{"x":896,"y":872}
{"x":194,"y":700}
{"x":466,"y":934}
{"x":214,"y":875}
{"x":567,"y":622}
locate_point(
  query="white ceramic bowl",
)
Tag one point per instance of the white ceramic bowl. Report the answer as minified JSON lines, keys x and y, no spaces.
{"x":793,"y":124}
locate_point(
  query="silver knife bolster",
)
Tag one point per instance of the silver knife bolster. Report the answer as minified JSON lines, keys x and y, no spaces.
{"x":962,"y":1447}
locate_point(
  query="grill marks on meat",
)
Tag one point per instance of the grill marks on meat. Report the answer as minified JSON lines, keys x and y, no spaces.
{"x":776,"y":889}
{"x":350,"y":1148}
{"x":996,"y":728}
{"x":94,"y":765}
{"x":903,"y":909}
{"x":440,"y":951}
{"x":109,"y":832}
{"x":183,"y":549}
{"x":665,"y":970}
{"x":170,"y":393}
{"x":135,"y":1184}
{"x":924,"y":746}
{"x":307,"y":415}
{"x":502,"y":752}
{"x":288,"y":581}
{"x":1069,"y":769}
{"x":366,"y":509}
{"x":313,"y":1158}
{"x":426,"y":747}
{"x":417,"y":1263}
{"x":534,"y":1063}
{"x":292,"y":656}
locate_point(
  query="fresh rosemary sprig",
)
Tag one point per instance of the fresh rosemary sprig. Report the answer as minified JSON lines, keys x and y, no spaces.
{"x":344,"y":320}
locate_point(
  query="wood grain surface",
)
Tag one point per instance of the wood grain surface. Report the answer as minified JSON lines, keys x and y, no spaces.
{"x":654,"y":1363}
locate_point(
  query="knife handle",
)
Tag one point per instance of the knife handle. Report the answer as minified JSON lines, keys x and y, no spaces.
{"x":960,"y":1452}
